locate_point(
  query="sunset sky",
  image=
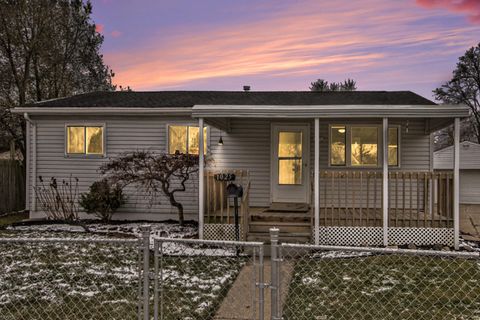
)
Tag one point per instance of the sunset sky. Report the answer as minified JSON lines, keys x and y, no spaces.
{"x":285,"y":44}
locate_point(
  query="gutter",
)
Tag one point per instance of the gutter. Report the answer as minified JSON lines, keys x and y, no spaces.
{"x":104,"y":111}
{"x":32,"y":126}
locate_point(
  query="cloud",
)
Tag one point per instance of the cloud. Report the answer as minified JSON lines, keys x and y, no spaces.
{"x":115,"y":33}
{"x":469,"y":7}
{"x":378,"y":42}
{"x":99,"y":27}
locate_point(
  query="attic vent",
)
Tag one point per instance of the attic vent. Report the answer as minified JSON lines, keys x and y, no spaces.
{"x":246,"y":88}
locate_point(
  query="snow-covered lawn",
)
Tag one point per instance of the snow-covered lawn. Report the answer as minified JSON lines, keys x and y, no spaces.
{"x":92,"y":280}
{"x":348,"y":286}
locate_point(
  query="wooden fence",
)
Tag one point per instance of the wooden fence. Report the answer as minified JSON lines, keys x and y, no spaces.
{"x":12,"y":186}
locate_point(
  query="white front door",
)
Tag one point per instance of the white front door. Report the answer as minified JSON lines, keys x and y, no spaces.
{"x":290,"y":163}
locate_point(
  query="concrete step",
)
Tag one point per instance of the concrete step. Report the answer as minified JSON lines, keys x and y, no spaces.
{"x":295,"y":227}
{"x":290,"y":237}
{"x":281,"y":217}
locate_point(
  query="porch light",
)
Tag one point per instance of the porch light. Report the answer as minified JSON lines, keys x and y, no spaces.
{"x":341,"y":130}
{"x":220,"y":141}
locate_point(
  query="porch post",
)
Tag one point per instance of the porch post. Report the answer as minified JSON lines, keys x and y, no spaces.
{"x":385,"y":181}
{"x":316,"y":182}
{"x":456,"y":183}
{"x":201,"y":187}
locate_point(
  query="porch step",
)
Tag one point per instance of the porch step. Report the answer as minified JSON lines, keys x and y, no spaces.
{"x":290,"y":227}
{"x":292,"y":217}
{"x":290,"y":237}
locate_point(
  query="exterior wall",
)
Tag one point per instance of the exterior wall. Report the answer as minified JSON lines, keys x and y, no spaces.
{"x":470,"y":186}
{"x":247,"y":146}
{"x":469,"y":157}
{"x":121,"y":134}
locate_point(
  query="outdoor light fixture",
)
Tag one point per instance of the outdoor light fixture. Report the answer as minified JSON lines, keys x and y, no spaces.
{"x":220,"y":141}
{"x":406,"y":127}
{"x":341,"y":130}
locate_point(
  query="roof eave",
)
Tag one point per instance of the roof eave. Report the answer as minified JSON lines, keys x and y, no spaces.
{"x":103,"y":111}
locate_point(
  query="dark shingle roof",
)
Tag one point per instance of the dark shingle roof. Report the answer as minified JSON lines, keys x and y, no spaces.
{"x":158,"y":99}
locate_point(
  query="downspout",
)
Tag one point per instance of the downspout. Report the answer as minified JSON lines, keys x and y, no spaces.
{"x":31,"y":127}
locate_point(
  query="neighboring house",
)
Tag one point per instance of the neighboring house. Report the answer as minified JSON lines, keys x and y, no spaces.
{"x":469,"y":181}
{"x":311,"y":163}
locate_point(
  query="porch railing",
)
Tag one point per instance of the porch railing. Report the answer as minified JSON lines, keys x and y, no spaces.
{"x":218,"y":206}
{"x":416,"y":199}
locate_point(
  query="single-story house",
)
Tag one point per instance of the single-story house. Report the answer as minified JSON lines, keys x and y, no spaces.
{"x":469,"y":182}
{"x":336,"y":167}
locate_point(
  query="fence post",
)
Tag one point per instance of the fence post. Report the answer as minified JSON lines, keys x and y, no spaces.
{"x":261,"y":284}
{"x":145,"y":230}
{"x":274,"y":294}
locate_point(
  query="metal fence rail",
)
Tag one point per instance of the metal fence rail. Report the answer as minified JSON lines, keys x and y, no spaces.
{"x":326,"y":282}
{"x":195,"y":279}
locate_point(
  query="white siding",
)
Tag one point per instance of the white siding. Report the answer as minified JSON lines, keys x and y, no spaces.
{"x":470,"y":186}
{"x":469,"y":157}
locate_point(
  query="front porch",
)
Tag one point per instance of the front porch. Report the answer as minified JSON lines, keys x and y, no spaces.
{"x":420,"y":210}
{"x":356,"y":197}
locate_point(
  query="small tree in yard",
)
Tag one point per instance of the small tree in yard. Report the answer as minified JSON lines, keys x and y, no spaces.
{"x":167,"y":173}
{"x":102,"y":200}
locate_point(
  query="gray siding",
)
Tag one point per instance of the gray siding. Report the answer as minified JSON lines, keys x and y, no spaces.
{"x":247,"y":146}
{"x":469,"y":157}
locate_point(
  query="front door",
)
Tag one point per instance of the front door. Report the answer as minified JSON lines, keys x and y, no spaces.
{"x":290,"y":163}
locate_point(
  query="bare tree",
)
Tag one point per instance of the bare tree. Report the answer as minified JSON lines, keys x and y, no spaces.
{"x":463,"y":88}
{"x":48,"y":49}
{"x":166,"y":173}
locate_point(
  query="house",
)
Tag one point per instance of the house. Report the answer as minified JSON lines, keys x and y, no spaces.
{"x":347,"y":168}
{"x":469,"y":182}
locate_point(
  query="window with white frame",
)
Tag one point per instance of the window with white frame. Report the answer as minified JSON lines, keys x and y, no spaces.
{"x":84,"y":140}
{"x":359,"y":145}
{"x":184,"y":139}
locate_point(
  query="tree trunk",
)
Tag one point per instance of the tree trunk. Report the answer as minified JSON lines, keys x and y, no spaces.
{"x":179,"y":207}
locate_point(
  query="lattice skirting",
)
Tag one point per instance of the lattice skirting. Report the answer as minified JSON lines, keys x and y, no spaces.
{"x":373,"y":236}
{"x":225,"y":232}
{"x":421,"y":236}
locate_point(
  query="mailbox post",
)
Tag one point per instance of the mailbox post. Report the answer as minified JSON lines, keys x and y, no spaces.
{"x":235,"y":191}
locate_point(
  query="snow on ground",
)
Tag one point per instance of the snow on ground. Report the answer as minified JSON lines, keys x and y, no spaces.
{"x":64,"y":277}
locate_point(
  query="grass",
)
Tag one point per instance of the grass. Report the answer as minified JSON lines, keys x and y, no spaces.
{"x":100,"y":281}
{"x":12,"y":218}
{"x":384,"y":287}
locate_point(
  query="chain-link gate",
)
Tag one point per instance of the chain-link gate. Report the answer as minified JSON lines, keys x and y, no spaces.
{"x":202,"y":279}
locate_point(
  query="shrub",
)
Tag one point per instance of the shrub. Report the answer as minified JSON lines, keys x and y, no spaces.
{"x":102,"y":199}
{"x":58,"y":200}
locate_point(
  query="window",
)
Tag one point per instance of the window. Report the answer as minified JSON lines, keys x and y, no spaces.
{"x":184,"y":139}
{"x":393,"y":146}
{"x":364,"y":146}
{"x":358,"y":146}
{"x":84,"y":140}
{"x":290,"y":157}
{"x":338,"y":145}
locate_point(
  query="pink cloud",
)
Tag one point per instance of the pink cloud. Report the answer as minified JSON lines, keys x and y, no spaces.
{"x":99,"y":28}
{"x":115,"y":33}
{"x":469,"y":7}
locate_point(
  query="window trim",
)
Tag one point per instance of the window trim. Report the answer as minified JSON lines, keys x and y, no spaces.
{"x":85,"y":155}
{"x":348,"y":146}
{"x":188,"y":124}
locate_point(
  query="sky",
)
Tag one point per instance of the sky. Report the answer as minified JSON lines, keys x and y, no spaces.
{"x":285,"y":44}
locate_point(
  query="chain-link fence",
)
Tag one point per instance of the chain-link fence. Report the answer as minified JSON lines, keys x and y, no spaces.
{"x":103,"y":278}
{"x":49,"y":279}
{"x":197,"y":279}
{"x":321,"y":282}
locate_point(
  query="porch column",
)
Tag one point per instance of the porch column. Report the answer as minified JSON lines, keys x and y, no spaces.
{"x":385,"y":181}
{"x":201,"y":186}
{"x":316,"y":182}
{"x":456,"y":183}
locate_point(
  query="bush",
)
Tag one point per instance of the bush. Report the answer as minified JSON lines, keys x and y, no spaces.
{"x":102,"y":200}
{"x":58,"y":200}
